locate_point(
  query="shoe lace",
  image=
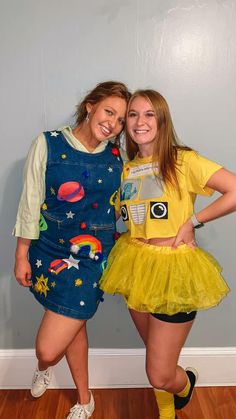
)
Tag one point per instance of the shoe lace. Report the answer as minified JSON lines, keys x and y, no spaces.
{"x":42,"y":377}
{"x":79,"y":410}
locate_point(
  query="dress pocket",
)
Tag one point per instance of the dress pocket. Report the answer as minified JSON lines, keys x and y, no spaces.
{"x":105,"y":234}
{"x":59,"y":220}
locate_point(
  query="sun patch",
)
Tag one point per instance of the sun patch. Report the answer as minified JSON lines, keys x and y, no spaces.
{"x":78,"y":282}
{"x":41,"y":285}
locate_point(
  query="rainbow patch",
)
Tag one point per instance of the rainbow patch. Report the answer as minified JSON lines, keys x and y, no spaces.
{"x":88,"y":245}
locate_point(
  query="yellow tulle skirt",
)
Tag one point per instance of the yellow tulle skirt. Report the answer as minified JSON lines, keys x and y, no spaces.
{"x":162,"y":280}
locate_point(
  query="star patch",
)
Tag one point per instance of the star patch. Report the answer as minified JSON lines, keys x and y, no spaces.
{"x":70,"y":214}
{"x":72,"y":263}
{"x":54,"y":134}
{"x":38,"y":263}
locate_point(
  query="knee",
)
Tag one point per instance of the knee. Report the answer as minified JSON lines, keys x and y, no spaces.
{"x":160,"y":378}
{"x":46,"y":356}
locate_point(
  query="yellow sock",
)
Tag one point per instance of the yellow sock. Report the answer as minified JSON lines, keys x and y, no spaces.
{"x":186,"y":389}
{"x":165,"y":402}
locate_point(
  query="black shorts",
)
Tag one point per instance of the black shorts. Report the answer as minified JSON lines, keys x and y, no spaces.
{"x":176,"y":318}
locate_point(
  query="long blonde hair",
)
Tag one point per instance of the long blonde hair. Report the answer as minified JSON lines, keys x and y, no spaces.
{"x":167,"y":142}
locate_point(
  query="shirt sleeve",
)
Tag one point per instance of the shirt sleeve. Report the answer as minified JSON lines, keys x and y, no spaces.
{"x":33,"y":192}
{"x":200,"y":169}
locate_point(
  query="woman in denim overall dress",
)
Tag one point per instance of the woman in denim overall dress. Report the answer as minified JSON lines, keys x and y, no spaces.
{"x":66,"y":229}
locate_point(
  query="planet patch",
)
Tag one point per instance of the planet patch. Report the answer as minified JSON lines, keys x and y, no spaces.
{"x":70,"y":192}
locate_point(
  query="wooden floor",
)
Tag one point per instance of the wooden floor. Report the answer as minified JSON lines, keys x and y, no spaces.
{"x":206,"y":403}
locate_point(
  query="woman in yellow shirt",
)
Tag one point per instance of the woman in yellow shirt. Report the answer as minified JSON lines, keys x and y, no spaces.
{"x":157,"y":266}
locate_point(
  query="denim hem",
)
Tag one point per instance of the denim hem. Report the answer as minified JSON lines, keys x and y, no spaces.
{"x":65,"y":311}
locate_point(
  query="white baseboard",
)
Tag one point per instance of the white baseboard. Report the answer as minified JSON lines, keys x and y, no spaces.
{"x":117,"y":368}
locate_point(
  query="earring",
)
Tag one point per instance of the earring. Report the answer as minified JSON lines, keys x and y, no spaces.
{"x":87,"y":118}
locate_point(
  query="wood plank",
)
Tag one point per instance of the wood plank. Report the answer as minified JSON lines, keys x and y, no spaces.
{"x":206,"y":403}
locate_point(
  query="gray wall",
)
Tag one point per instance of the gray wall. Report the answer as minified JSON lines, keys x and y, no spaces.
{"x":52,"y":52}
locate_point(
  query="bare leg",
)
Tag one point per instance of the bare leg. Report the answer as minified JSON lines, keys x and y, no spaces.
{"x":164,"y":343}
{"x":77,"y":358}
{"x":141,"y":322}
{"x":55,"y":334}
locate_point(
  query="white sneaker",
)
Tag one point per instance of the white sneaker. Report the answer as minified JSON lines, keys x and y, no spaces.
{"x":40,"y":382}
{"x":82,"y":411}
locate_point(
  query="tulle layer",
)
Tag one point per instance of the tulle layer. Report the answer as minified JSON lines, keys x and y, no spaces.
{"x":162,"y":280}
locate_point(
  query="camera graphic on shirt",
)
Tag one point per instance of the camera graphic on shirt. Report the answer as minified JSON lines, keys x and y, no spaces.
{"x":158,"y":210}
{"x":124,"y":213}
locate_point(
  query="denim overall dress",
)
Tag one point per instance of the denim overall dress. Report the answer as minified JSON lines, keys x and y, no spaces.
{"x":77,"y":227}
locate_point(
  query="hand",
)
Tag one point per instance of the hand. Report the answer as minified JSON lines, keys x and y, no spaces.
{"x":22,"y":272}
{"x":185,"y":235}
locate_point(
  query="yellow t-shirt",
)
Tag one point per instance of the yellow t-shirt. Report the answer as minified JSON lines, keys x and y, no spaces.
{"x":151,"y":209}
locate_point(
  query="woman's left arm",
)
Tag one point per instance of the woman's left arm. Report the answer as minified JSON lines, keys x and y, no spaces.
{"x":222,"y":181}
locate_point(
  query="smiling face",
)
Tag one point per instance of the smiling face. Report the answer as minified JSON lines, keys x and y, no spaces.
{"x":142,"y":124}
{"x":106,"y":118}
